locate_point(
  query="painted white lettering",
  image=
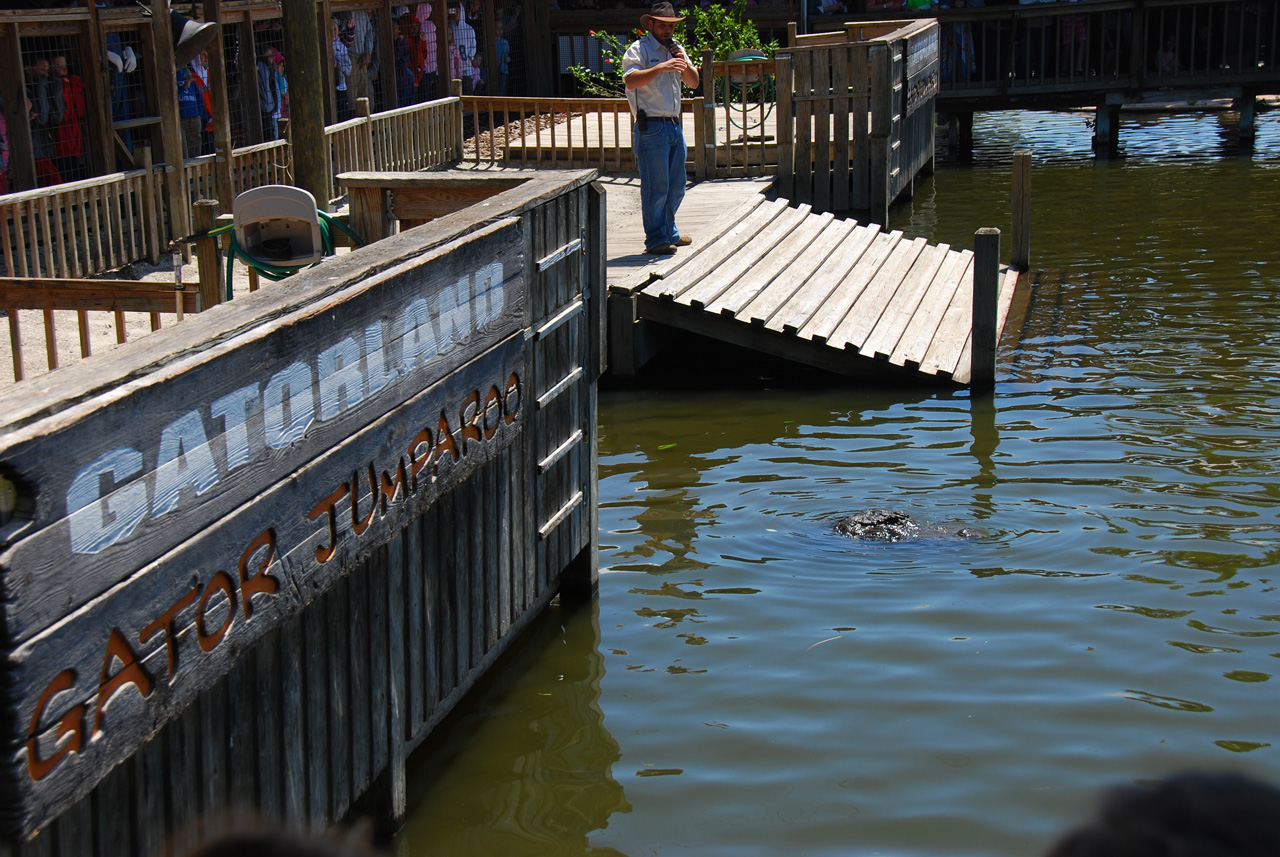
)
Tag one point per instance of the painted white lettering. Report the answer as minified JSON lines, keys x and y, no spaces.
{"x":489,"y":296}
{"x":377,"y":364}
{"x":184,"y":459}
{"x":234,"y":410}
{"x":95,"y":525}
{"x":340,"y":375}
{"x":288,"y":405}
{"x":418,"y":340}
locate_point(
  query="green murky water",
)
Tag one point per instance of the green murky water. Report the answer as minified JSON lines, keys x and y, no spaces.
{"x":751,"y":684}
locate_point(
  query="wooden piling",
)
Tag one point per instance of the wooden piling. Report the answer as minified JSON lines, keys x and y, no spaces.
{"x":306,"y":99}
{"x":986,"y":285}
{"x":203,"y":214}
{"x":1020,"y":253}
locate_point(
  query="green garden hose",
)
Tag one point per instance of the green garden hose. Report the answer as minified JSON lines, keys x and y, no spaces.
{"x":279,"y":272}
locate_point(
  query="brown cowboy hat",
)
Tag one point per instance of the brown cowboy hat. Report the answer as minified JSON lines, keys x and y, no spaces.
{"x":660,"y":12}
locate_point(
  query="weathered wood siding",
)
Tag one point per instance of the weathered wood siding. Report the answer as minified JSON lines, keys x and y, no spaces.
{"x":257,"y":574}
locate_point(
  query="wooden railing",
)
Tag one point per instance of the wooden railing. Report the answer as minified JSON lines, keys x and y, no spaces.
{"x":1072,"y":53}
{"x":52,"y":238}
{"x":416,"y":137}
{"x":551,"y":132}
{"x":856,"y":113}
{"x":742,"y":99}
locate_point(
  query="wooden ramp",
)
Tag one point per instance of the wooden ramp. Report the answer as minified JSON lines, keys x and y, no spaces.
{"x":829,"y":293}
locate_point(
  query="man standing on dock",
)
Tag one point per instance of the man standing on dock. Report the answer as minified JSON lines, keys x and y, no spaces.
{"x":654,"y":67}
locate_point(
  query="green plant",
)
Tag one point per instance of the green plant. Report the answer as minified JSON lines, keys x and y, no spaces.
{"x":724,"y":29}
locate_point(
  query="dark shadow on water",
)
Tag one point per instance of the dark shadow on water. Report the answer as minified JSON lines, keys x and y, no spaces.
{"x":524,"y":764}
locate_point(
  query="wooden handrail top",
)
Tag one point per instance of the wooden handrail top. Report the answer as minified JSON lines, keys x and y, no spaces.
{"x":393,"y":179}
{"x":23,"y":196}
{"x":414,"y":108}
{"x":534,"y":101}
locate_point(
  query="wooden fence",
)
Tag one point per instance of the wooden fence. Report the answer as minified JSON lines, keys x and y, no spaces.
{"x":88,"y":228}
{"x":856,"y":114}
{"x":397,"y":473}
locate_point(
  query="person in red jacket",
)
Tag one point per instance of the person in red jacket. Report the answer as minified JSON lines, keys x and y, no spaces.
{"x":68,"y":136}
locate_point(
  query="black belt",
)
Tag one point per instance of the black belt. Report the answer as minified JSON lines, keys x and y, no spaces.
{"x":674,"y":120}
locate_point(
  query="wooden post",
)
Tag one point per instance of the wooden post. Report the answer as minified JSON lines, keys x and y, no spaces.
{"x":204,"y":212}
{"x":364,"y":141}
{"x":881,"y":128}
{"x":704,"y":121}
{"x":150,"y":209}
{"x":786,"y":131}
{"x":1020,"y":253}
{"x":98,"y":150}
{"x":170,"y":127}
{"x":22,"y":157}
{"x":986,"y":285}
{"x":1247,"y":104}
{"x":1106,"y":137}
{"x":221,"y":109}
{"x":306,"y":100}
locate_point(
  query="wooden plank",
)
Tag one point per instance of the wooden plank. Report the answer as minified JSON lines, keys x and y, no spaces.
{"x":315,"y":712}
{"x":73,"y":830}
{"x":714,"y":292}
{"x":884,"y":337}
{"x":379,"y":664}
{"x":711,"y":257}
{"x":338,"y":636}
{"x":953,"y":330}
{"x":182,"y":785}
{"x":865,"y":314}
{"x":113,"y":811}
{"x":211,"y":755}
{"x":415,"y":564}
{"x":822,"y":173}
{"x":397,"y":708}
{"x":802,"y":66}
{"x":61,"y":569}
{"x":833,"y":310}
{"x":257,"y":691}
{"x":813,"y":258}
{"x":149,"y":788}
{"x":292,"y":721}
{"x":859,"y":115}
{"x":841,"y":153}
{"x":915,"y":340}
{"x":358,"y":670}
{"x":788,"y":312}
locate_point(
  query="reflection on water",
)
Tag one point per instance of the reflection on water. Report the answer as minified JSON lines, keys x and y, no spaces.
{"x":761,"y":686}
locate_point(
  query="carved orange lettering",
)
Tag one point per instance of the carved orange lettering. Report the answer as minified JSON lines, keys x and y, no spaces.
{"x":261,"y":582}
{"x":470,"y":426}
{"x":221,"y":581}
{"x":71,"y":723}
{"x":326,"y":506}
{"x":492,"y":402}
{"x":131,"y":672}
{"x":357,"y":525}
{"x":513,"y":399}
{"x":393,"y":487}
{"x":444,"y":441}
{"x":416,"y":464}
{"x":165,"y":623}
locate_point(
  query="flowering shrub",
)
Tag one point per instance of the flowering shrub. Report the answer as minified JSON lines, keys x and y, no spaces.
{"x":723,"y":29}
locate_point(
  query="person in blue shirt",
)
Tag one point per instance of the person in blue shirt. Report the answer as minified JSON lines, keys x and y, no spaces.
{"x":191,"y":113}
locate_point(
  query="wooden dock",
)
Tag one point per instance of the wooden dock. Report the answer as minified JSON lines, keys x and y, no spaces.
{"x":834,"y":294}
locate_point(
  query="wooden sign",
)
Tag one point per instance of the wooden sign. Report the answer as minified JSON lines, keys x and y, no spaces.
{"x":187,"y":513}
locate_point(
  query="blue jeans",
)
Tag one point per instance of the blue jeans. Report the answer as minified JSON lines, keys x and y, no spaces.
{"x":660,"y":154}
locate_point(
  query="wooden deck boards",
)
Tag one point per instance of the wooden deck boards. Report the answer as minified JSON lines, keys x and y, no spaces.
{"x":831,"y":293}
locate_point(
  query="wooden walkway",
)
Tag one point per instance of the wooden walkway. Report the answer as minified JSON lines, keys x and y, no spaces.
{"x":829,"y":293}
